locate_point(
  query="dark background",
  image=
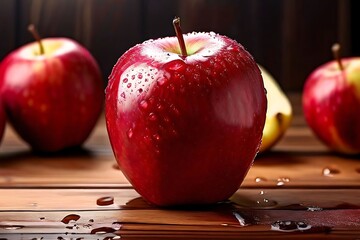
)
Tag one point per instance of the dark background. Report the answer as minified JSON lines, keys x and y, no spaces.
{"x":289,"y":37}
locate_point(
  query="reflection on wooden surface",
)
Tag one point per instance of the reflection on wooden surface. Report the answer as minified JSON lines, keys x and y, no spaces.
{"x":300,"y":190}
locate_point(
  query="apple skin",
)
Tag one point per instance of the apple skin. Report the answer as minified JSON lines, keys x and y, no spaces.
{"x":54,"y":100}
{"x":185,"y":130}
{"x":331,"y":105}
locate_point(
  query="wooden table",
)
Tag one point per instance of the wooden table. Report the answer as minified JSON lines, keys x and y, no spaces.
{"x":300,"y":190}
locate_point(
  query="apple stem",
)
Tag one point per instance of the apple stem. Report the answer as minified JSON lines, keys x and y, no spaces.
{"x":336,"y":52}
{"x":180,"y":37}
{"x":34,"y":32}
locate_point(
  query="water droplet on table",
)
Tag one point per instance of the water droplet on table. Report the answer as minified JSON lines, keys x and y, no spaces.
{"x":330,"y":171}
{"x":13,"y":227}
{"x":70,"y":217}
{"x":314,"y":209}
{"x":290,"y":226}
{"x":102,"y":230}
{"x":260,"y":179}
{"x":116,"y":166}
{"x":241,"y":219}
{"x":105,"y":201}
{"x":282,"y":181}
{"x":266,"y":203}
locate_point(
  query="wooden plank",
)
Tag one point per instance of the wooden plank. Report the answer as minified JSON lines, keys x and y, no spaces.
{"x":50,"y":199}
{"x":230,"y":222}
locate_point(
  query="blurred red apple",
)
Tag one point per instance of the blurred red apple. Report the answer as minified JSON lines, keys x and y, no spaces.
{"x":52,"y":96}
{"x":185,"y":122}
{"x":331,"y":103}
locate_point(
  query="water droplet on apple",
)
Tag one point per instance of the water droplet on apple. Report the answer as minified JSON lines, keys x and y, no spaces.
{"x":166,"y":119}
{"x":260,"y":179}
{"x":152,"y":117}
{"x":156,"y":137}
{"x":132,"y":77}
{"x":147,"y":139}
{"x":161,"y":81}
{"x":289,"y":226}
{"x":128,"y":85}
{"x":175,"y":110}
{"x":230,"y":48}
{"x":130,"y":133}
{"x":174,"y":133}
{"x":125,"y":80}
{"x":171,"y":87}
{"x":143,"y":104}
{"x":329,"y":171}
{"x":159,"y":107}
{"x":212,"y":34}
{"x":176,"y":65}
{"x":105,"y":201}
{"x":140,"y":90}
{"x":140,"y":76}
{"x":122,"y":95}
{"x":182,"y":89}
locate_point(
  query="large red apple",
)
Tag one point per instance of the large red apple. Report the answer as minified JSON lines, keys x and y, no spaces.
{"x":53,"y":96}
{"x":331,"y":104}
{"x":185,"y":123}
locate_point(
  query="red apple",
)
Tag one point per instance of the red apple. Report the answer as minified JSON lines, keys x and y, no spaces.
{"x":52,"y":98}
{"x":185,"y":123}
{"x":331,"y":104}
